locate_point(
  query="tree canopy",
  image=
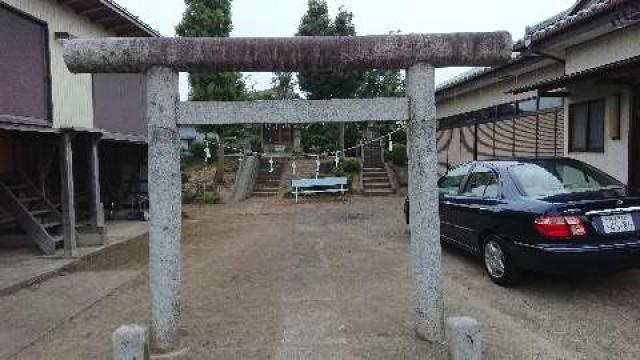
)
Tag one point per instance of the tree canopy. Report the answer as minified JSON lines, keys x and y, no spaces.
{"x":327,"y":84}
{"x":211,"y":18}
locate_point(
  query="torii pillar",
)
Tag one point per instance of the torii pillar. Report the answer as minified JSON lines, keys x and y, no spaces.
{"x":161,"y":59}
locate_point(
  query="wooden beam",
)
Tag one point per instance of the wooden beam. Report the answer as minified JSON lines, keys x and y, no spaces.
{"x":107,"y":19}
{"x":68,"y":203}
{"x":71,"y":2}
{"x":91,"y":11}
{"x":120,"y":27}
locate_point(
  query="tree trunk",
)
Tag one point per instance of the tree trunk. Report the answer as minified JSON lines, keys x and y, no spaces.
{"x":341,"y":138}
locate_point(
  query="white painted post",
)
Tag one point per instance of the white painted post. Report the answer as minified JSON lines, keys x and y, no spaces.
{"x":423,"y":193}
{"x":165,"y":207}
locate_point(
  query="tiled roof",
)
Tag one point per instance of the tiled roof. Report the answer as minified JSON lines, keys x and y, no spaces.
{"x":470,"y":75}
{"x":566,"y":20}
{"x":550,"y":84}
{"x":580,"y":12}
{"x":112,"y":16}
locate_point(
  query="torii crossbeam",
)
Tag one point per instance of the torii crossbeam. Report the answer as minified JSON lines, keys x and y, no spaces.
{"x":162,"y":58}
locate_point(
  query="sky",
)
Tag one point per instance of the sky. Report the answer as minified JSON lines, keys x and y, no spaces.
{"x":261,"y":18}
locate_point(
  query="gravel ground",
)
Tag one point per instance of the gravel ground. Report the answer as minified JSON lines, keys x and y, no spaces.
{"x":327,"y":279}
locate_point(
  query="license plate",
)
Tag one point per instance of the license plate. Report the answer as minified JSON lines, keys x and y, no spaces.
{"x":618,"y":223}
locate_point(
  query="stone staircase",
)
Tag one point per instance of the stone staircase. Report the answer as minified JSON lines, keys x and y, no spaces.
{"x":268,"y":184}
{"x":376,"y":181}
{"x":39,"y":218}
{"x":372,"y":154}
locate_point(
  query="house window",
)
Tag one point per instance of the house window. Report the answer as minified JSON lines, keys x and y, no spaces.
{"x":586,"y":126}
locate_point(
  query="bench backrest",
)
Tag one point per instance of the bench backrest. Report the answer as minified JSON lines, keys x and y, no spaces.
{"x":329,"y":181}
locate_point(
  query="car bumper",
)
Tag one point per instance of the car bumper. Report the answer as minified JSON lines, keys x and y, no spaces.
{"x":576,"y":258}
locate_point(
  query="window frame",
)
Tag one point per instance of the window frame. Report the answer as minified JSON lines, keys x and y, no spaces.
{"x":463,"y":183}
{"x":589,"y":148}
{"x":48,"y":120}
{"x":463,"y":188}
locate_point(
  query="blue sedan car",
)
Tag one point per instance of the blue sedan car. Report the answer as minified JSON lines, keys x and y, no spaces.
{"x":551,"y":215}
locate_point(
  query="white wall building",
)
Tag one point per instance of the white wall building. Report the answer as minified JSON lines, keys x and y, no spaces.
{"x":581,"y":68}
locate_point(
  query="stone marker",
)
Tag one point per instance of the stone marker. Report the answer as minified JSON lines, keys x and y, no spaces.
{"x":130,"y":342}
{"x":464,"y":338}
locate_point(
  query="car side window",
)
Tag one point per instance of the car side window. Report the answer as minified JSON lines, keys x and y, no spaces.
{"x":482,"y":183}
{"x":451,"y":182}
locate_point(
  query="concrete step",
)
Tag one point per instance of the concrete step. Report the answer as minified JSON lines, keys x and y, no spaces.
{"x":375,"y":178}
{"x":378,"y":192}
{"x":273,"y":182}
{"x":265,"y":193}
{"x":376,"y":173}
{"x":377,"y":185}
{"x":261,"y":187}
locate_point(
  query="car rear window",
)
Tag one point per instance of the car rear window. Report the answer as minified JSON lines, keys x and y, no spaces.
{"x":554,"y":177}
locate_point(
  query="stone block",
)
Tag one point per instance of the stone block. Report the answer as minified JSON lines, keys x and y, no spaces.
{"x":464,"y":338}
{"x":130,"y":342}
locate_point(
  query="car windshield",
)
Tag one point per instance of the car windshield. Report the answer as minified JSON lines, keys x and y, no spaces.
{"x":554,"y":177}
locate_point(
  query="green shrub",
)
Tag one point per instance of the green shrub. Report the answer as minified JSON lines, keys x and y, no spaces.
{"x":212,"y":197}
{"x":351,"y":166}
{"x":399,"y":155}
{"x":338,"y":172}
{"x":197,"y":151}
{"x":188,"y":197}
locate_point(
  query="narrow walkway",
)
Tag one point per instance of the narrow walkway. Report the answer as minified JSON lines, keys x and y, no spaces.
{"x":312,"y":326}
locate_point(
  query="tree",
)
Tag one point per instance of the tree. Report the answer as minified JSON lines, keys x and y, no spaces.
{"x":382,"y":83}
{"x":327,"y":84}
{"x":284,"y":83}
{"x":212,"y":18}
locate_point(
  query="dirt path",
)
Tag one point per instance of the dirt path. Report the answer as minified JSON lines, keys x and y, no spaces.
{"x":329,"y":280}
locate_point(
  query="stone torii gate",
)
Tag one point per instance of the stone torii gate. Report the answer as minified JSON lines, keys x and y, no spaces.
{"x":162,"y":58}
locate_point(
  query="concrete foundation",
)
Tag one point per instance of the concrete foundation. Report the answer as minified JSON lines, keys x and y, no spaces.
{"x":464,"y":339}
{"x":423,"y":192}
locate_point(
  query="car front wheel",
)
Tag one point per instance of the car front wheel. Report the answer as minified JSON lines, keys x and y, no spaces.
{"x":498,"y":264}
